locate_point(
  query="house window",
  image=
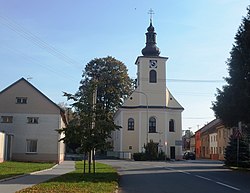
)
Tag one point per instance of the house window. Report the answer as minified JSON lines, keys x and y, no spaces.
{"x":131,"y":124}
{"x":7,"y":119}
{"x":152,"y":125}
{"x":21,"y":100}
{"x":171,"y":125}
{"x":31,"y":146}
{"x":152,"y":76}
{"x":32,"y":120}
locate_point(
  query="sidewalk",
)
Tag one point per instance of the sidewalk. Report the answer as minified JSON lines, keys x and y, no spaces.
{"x":13,"y":185}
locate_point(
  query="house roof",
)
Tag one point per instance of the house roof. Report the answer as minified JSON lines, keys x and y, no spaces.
{"x":210,"y":127}
{"x":23,"y":79}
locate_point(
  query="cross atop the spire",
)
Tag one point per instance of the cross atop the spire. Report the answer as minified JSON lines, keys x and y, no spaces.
{"x":151,"y":12}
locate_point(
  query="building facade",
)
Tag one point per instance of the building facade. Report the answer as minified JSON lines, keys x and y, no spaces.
{"x":212,"y":140}
{"x":151,"y":113}
{"x":198,"y":144}
{"x":223,"y":138}
{"x":213,"y":145}
{"x":192,"y":143}
{"x":29,"y":120}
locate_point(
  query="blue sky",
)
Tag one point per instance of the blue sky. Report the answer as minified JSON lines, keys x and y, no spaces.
{"x":51,"y":41}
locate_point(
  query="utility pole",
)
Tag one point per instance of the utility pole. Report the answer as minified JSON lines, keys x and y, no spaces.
{"x":238,"y":141}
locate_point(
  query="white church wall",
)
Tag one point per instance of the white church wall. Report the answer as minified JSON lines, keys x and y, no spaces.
{"x":130,"y":137}
{"x":174,"y":138}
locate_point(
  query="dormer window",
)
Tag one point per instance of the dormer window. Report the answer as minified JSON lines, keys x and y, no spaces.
{"x":21,"y":100}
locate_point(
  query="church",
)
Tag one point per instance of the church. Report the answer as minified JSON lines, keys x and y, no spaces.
{"x":150,"y":113}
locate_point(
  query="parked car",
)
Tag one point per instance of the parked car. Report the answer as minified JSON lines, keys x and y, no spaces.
{"x":189,"y":155}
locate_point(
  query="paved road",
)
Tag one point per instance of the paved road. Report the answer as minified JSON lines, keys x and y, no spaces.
{"x":177,"y":177}
{"x":14,"y":185}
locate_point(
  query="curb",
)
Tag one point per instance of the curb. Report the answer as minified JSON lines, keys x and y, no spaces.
{"x":37,"y":172}
{"x":22,"y":175}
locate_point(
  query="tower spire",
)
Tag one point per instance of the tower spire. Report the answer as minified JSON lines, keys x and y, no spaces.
{"x":151,"y":49}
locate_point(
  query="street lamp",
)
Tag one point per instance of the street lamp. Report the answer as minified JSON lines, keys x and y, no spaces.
{"x":146,"y":112}
{"x":166,"y":149}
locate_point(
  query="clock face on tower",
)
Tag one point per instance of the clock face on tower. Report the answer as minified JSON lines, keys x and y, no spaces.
{"x":153,"y":63}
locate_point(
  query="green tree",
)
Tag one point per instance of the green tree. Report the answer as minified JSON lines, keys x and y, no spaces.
{"x":102,"y":90}
{"x":113,"y":82}
{"x":151,"y":150}
{"x":233,"y":101}
{"x":243,"y":152}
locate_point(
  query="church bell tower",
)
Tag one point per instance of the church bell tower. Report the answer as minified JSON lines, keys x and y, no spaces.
{"x":151,"y":70}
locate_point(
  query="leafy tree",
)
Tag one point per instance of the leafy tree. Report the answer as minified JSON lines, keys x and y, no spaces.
{"x":103,"y":88}
{"x":233,"y":101}
{"x":114,"y":84}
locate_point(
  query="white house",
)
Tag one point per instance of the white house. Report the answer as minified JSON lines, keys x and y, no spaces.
{"x":151,"y":112}
{"x":29,"y":120}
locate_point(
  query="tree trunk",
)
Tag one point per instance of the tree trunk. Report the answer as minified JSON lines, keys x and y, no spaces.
{"x":93,"y":158}
{"x":84,"y":163}
{"x":89,"y":161}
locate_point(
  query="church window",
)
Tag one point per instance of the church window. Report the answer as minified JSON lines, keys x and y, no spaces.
{"x":152,"y":76}
{"x":131,"y":124}
{"x":171,"y":125}
{"x":152,"y":125}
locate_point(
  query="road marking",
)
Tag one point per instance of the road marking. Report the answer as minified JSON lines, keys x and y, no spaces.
{"x":203,"y":177}
{"x":181,"y":171}
{"x":184,"y":172}
{"x":228,"y":186}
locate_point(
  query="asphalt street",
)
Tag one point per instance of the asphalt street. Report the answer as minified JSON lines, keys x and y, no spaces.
{"x":181,"y":176}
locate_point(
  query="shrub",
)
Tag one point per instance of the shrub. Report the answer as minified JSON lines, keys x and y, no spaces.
{"x":139,"y":156}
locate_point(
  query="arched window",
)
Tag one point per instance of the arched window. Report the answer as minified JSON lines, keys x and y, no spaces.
{"x":152,"y":76}
{"x":171,"y":125}
{"x":152,"y":125}
{"x":131,"y":124}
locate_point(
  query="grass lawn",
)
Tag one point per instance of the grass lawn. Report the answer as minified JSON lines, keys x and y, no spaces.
{"x":105,"y":180}
{"x":11,"y":168}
